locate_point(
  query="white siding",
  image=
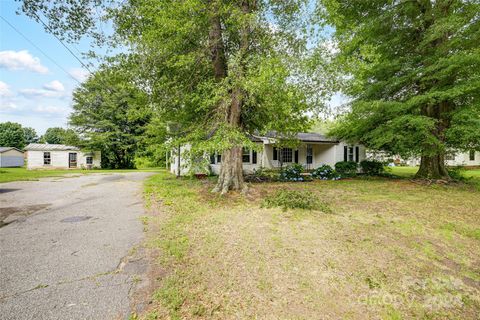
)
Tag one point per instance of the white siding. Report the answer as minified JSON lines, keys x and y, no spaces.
{"x":59,"y":159}
{"x":11,"y":158}
{"x":463,"y":159}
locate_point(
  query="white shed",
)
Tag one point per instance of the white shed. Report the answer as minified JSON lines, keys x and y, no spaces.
{"x":10,"y":157}
{"x":59,"y":156}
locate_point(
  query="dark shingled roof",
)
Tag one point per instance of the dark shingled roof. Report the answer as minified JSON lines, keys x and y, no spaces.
{"x":304,"y":137}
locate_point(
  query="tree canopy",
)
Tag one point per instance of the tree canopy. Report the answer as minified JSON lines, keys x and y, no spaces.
{"x":12,"y":135}
{"x":413,"y":71}
{"x":57,"y":135}
{"x":111,"y":113}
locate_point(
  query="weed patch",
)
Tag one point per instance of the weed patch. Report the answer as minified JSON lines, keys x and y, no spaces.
{"x":293,"y":199}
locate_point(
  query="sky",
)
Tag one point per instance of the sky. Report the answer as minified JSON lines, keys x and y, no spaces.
{"x":34,"y":91}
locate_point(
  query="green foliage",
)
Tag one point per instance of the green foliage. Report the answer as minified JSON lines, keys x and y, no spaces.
{"x":293,"y":199}
{"x":413,"y":73}
{"x":59,"y":135}
{"x":458,"y":173}
{"x":325,"y":172}
{"x":12,"y":135}
{"x":372,"y":167}
{"x":292,"y":172}
{"x":174,"y":42}
{"x":112,"y":113}
{"x":346,"y":168}
{"x":263,"y":175}
{"x":30,"y":135}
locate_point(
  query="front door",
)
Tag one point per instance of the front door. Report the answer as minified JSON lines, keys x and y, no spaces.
{"x":72,"y":160}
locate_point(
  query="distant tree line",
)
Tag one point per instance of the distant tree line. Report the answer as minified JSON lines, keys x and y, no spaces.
{"x":12,"y":134}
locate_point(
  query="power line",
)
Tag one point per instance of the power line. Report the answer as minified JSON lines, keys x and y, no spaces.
{"x":43,"y":52}
{"x":63,"y":44}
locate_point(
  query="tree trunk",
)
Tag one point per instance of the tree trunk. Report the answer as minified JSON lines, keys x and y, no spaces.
{"x":432,"y":167}
{"x":231,"y":172}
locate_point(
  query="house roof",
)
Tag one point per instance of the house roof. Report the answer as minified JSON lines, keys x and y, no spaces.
{"x":5,"y":149}
{"x":302,"y":136}
{"x":49,"y":147}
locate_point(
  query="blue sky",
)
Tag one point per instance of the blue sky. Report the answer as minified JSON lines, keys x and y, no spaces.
{"x":33,"y":90}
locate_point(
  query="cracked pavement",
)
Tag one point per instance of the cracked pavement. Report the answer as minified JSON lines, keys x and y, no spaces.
{"x":67,"y":246}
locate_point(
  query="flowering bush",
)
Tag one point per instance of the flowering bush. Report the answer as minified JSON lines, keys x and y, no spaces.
{"x":325,"y":172}
{"x":292,"y":172}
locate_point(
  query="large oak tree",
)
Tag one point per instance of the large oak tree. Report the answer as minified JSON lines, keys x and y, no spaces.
{"x":218,"y":70}
{"x":412,"y":68}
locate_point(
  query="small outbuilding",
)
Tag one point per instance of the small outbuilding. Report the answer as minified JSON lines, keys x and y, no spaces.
{"x":59,"y":156}
{"x":11,"y":157}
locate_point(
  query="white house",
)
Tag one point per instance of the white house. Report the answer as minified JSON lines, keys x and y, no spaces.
{"x":466,"y":159}
{"x":452,"y":158}
{"x":313,"y":151}
{"x":10,"y":157}
{"x":59,"y":156}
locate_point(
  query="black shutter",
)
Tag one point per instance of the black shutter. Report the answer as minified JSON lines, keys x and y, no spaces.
{"x":212,"y":158}
{"x":345,"y":153}
{"x":219,"y":158}
{"x":357,"y":153}
{"x":296,"y":156}
{"x":275,"y":154}
{"x":254,"y":156}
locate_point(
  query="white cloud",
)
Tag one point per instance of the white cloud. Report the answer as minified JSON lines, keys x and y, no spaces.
{"x":7,"y":106}
{"x":55,"y":85}
{"x":51,"y":110}
{"x":5,"y":90}
{"x":21,"y":60}
{"x":41,"y":93}
{"x":79,"y":74}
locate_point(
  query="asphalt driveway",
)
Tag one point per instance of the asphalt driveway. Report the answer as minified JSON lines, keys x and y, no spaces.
{"x":68,"y":246}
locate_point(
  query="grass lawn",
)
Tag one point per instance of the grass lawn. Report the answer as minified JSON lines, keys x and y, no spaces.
{"x":408,"y":172}
{"x":388,"y":249}
{"x":19,"y":174}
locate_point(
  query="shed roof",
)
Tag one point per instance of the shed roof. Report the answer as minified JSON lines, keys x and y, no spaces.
{"x":50,"y":147}
{"x":5,"y":149}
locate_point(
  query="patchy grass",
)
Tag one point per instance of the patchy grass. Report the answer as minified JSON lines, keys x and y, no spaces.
{"x":391,"y":249}
{"x":22,"y":174}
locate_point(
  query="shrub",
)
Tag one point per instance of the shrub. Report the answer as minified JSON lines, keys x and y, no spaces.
{"x":457,"y":173}
{"x":325,"y":172}
{"x":346,"y":168}
{"x":292,"y":172}
{"x":263,"y":175}
{"x":292,"y":199}
{"x":372,"y":167}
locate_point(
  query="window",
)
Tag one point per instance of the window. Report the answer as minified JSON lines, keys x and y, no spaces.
{"x":246,"y":155}
{"x":47,"y":160}
{"x":287,"y":155}
{"x":472,"y":155}
{"x":309,"y":154}
{"x":89,"y":160}
{"x":254,"y":156}
{"x":219,"y":158}
{"x":450,"y":156}
{"x":350,"y":154}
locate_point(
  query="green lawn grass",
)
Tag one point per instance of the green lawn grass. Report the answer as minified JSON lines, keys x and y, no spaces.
{"x":21,"y":174}
{"x":385,"y":249}
{"x":409,"y":172}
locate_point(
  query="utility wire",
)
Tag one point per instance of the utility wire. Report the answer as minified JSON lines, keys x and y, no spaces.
{"x":63,"y":44}
{"x":43,"y":52}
